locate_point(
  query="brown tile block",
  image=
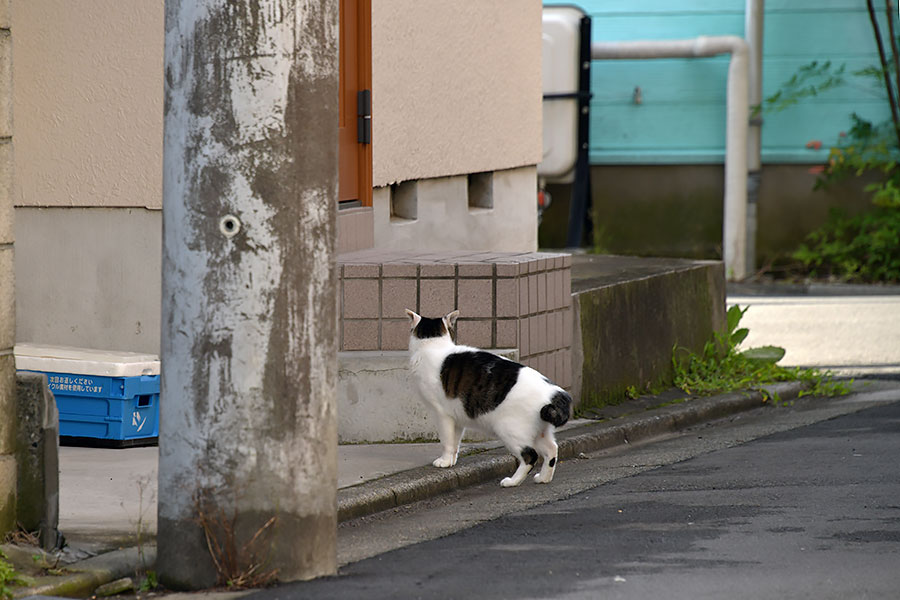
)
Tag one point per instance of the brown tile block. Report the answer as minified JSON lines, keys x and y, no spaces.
{"x":560,"y":367}
{"x":437,"y":297}
{"x":538,"y":333}
{"x":399,"y":270}
{"x":507,"y":297}
{"x":474,"y":333}
{"x":438,"y":270}
{"x":507,"y":269}
{"x":396,"y":296}
{"x":360,"y":335}
{"x":552,"y":331}
{"x":567,"y":284}
{"x":357,"y":271}
{"x":543,"y":366}
{"x":507,"y":330}
{"x":542,"y":292}
{"x":561,"y":326}
{"x":360,"y":298}
{"x":567,"y":260}
{"x":476,"y":297}
{"x":523,"y":295}
{"x":481,"y":269}
{"x":568,"y":328}
{"x":567,"y":374}
{"x":524,"y":338}
{"x":532,"y":294}
{"x":395,"y":335}
{"x":554,"y":290}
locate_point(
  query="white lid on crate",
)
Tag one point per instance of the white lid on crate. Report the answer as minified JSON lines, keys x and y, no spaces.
{"x":84,"y":361}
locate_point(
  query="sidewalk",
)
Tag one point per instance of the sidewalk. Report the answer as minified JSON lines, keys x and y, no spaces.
{"x":105,"y":494}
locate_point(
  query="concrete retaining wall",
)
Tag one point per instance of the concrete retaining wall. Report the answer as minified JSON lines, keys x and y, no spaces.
{"x":632,"y":313}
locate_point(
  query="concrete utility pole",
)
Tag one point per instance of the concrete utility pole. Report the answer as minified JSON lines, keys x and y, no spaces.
{"x":8,"y":473}
{"x":249,"y":344}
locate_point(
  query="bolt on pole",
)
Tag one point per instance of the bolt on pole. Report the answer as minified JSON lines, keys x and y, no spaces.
{"x":248,"y":433}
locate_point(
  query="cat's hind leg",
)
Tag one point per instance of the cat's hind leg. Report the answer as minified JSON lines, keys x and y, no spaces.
{"x":546,"y":446}
{"x":527,"y":458}
{"x":451,"y":434}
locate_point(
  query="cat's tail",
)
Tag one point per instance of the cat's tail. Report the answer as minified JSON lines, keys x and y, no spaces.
{"x":557,"y":412}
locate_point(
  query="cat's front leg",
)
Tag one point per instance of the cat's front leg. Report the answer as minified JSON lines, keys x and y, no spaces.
{"x":451,"y":434}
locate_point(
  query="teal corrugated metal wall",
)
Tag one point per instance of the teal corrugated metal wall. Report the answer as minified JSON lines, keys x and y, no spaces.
{"x":682,"y":116}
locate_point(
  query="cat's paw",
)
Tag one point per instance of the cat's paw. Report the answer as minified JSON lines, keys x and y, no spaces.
{"x":444,"y":462}
{"x":508,"y":482}
{"x":546,"y":479}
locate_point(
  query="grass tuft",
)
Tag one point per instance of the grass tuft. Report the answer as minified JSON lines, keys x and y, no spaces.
{"x":721,"y":368}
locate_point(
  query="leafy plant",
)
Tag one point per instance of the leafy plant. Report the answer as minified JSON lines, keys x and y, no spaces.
{"x":810,"y":80}
{"x":864,"y":248}
{"x":720,"y":367}
{"x":8,"y":577}
{"x":149,"y":582}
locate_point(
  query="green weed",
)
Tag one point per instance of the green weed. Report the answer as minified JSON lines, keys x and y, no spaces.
{"x":720,"y":367}
{"x":8,"y":577}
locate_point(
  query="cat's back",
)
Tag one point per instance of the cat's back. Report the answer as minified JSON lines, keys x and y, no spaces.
{"x":481,"y":380}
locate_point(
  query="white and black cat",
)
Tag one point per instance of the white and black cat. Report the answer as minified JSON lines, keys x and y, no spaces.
{"x":468,"y":387}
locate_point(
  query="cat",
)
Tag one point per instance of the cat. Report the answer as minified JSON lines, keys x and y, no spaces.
{"x":468,"y":387}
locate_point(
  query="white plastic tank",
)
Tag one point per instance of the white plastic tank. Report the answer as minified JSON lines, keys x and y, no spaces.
{"x":560,"y":70}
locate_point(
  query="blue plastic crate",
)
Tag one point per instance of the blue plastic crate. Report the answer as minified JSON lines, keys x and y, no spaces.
{"x":104,"y":397}
{"x":106,"y":408}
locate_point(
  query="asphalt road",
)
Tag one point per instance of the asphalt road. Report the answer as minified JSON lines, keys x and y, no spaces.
{"x":788,"y":502}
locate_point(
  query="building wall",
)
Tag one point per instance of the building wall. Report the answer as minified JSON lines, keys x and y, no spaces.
{"x":7,"y":287}
{"x":89,"y":277}
{"x":681,"y":116}
{"x":448,"y":216}
{"x":676,"y":210}
{"x":87,"y":85}
{"x":456,"y":91}
{"x":456,"y":87}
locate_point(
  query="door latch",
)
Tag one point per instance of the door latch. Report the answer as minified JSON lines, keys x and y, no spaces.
{"x":364,"y":116}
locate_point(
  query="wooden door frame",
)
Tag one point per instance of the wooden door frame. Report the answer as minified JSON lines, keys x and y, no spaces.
{"x":365,"y":83}
{"x":363,"y":60}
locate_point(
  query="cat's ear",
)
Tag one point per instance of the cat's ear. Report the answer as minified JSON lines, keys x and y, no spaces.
{"x":413,"y":319}
{"x":450,"y":319}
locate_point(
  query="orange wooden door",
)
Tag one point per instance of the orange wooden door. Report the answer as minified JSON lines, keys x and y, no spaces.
{"x":355,"y":158}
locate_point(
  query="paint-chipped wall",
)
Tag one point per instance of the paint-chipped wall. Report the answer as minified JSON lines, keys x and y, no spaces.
{"x":456,"y":87}
{"x":87,"y":94}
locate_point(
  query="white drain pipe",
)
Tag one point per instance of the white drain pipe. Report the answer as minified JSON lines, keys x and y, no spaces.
{"x":734,"y":234}
{"x":754,"y":14}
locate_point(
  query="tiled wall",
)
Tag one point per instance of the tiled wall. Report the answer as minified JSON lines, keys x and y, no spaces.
{"x":506,"y":300}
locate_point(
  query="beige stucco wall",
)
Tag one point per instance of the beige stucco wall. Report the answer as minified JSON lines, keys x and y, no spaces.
{"x":456,"y":87}
{"x":88,"y":101}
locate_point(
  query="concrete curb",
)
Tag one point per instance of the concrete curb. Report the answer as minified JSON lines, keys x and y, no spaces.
{"x":87,"y":575}
{"x":427,"y":482}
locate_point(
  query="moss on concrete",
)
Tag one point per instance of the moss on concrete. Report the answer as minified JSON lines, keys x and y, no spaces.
{"x":630,"y":328}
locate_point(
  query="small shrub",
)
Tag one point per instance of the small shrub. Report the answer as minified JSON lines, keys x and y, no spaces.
{"x":8,"y":577}
{"x":862,"y":248}
{"x":720,"y":367}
